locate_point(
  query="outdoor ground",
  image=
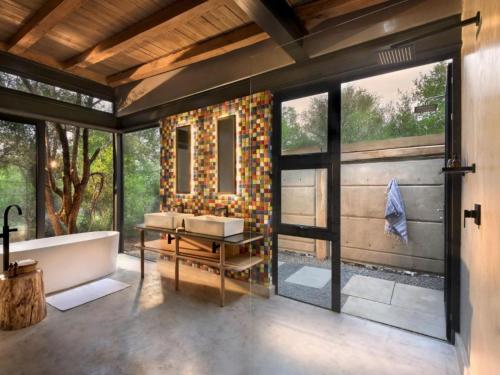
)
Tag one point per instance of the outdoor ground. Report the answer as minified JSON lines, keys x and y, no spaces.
{"x":404,"y":299}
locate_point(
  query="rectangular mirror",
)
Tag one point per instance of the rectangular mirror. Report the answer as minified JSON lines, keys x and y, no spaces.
{"x":183,"y":159}
{"x":226,"y":155}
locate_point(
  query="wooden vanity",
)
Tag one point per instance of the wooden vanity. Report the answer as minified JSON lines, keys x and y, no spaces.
{"x":193,"y":249}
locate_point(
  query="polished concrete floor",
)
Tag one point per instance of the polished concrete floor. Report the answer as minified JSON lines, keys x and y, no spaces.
{"x":151,"y":329}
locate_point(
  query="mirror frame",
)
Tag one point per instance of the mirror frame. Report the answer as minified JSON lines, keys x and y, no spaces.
{"x":233,"y":154}
{"x":177,"y":130}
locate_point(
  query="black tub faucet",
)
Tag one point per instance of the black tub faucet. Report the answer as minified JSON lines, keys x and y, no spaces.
{"x":5,"y":234}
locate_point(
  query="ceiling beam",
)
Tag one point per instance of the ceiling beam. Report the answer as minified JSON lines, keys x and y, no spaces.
{"x":235,"y":39}
{"x":317,"y":12}
{"x":53,"y":63}
{"x":277,"y":19}
{"x":168,"y":18}
{"x":44,"y":19}
{"x":23,"y":104}
{"x":14,"y":64}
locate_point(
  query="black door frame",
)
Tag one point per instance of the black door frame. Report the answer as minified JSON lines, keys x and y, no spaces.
{"x":452,"y":215}
{"x":329,"y":160}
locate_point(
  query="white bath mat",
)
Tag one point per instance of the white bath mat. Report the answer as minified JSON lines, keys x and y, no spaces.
{"x":80,"y":295}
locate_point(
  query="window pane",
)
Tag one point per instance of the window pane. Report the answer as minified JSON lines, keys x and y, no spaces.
{"x":405,"y":103}
{"x":304,"y":125}
{"x":15,"y":82}
{"x":304,"y":197}
{"x":305,"y":270}
{"x":80,"y":178}
{"x":141,"y":169}
{"x":18,"y":177}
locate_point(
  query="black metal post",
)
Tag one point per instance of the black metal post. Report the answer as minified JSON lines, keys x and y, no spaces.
{"x":118,"y":196}
{"x":41,"y":127}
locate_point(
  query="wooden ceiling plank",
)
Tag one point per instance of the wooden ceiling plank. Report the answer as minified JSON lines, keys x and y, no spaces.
{"x":48,"y":16}
{"x":53,"y":63}
{"x":278,"y":19}
{"x":315,"y":13}
{"x":168,"y":18}
{"x":219,"y":45}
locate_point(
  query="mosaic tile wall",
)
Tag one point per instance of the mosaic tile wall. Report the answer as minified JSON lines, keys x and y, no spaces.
{"x":253,"y":198}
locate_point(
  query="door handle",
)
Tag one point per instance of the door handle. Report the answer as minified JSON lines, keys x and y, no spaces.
{"x":474,"y":214}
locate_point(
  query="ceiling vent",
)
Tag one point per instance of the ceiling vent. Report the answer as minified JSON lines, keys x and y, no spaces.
{"x":399,"y":55}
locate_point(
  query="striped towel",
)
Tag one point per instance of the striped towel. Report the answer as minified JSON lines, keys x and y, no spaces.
{"x":395,"y":216}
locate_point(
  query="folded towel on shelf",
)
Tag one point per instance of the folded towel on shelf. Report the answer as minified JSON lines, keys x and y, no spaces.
{"x":395,"y":216}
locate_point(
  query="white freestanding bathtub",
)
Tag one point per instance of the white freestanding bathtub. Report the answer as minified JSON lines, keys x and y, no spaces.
{"x":71,"y":259}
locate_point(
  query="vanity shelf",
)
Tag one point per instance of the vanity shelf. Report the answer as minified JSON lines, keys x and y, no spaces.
{"x":193,"y":251}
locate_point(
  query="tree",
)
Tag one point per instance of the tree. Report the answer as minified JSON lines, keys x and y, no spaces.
{"x":71,"y":153}
{"x":63,"y":165}
{"x":365,"y":118}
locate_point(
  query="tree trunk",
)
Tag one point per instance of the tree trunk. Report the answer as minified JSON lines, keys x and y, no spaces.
{"x":22,"y":300}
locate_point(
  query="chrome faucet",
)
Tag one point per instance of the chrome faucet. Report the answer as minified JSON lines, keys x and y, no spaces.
{"x":224,"y":209}
{"x":5,"y":234}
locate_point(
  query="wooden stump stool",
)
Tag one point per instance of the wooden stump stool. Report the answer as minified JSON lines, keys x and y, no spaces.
{"x":22,"y":300}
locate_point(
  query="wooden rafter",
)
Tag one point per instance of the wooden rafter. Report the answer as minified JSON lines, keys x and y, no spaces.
{"x":170,"y":17}
{"x":53,"y":63}
{"x":317,"y":12}
{"x":48,"y":16}
{"x":241,"y":37}
{"x":278,"y":19}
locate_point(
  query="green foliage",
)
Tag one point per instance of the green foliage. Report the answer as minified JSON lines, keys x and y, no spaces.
{"x":141,"y":176}
{"x":17,"y":175}
{"x":365,"y":118}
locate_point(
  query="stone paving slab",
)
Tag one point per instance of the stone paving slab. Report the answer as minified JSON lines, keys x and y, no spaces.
{"x":312,"y":277}
{"x":421,"y":299}
{"x":370,"y":288}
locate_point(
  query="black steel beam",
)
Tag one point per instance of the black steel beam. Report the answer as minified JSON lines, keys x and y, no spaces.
{"x":17,"y":65}
{"x":278,"y":19}
{"x":40,"y":178}
{"x":36,"y":107}
{"x":118,"y":195}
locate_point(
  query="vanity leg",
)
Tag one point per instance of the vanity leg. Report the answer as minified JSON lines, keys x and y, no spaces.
{"x":222,"y":275}
{"x":176,"y":263}
{"x":142,"y":254}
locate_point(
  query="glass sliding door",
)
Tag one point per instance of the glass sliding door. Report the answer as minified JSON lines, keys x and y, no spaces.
{"x":18,"y":176}
{"x":141,"y":174}
{"x":305,"y":170}
{"x":393,"y":150}
{"x":79,"y":189}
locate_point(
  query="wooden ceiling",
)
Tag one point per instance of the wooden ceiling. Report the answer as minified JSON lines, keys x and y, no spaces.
{"x":120,"y":41}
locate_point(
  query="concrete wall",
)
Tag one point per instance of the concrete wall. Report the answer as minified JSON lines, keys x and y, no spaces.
{"x":479,"y":339}
{"x":367,"y":168}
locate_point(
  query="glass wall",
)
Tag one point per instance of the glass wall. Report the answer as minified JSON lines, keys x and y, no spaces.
{"x":18,"y":176}
{"x":304,"y":125}
{"x":15,"y":82}
{"x":392,"y":198}
{"x":141,"y":174}
{"x":79,"y":189}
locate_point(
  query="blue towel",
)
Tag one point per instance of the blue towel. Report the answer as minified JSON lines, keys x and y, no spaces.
{"x":395,"y":215}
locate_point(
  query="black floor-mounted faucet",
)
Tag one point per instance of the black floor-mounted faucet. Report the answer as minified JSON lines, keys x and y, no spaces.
{"x":5,"y":234}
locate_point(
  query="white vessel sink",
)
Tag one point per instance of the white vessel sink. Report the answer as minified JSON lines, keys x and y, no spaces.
{"x":214,"y":225}
{"x":167,"y":220}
